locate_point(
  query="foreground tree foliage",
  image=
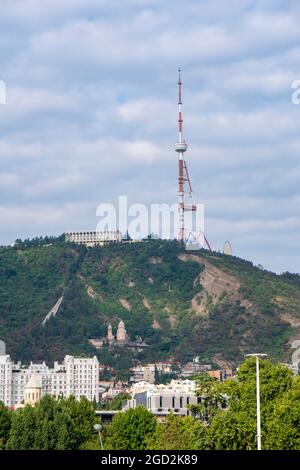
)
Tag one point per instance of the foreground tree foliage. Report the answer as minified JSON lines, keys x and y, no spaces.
{"x":5,"y":423}
{"x":234,"y":428}
{"x":52,"y":425}
{"x":178,"y":433}
{"x":130,"y":430}
{"x":284,"y":423}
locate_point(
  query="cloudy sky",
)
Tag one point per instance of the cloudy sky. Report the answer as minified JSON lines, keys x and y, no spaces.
{"x":91,"y":109}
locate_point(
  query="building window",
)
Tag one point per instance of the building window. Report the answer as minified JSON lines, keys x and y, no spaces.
{"x":160,"y":401}
{"x":173,"y":402}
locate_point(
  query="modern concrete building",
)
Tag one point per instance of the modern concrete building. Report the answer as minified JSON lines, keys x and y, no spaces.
{"x":161,"y":400}
{"x":76,"y":376}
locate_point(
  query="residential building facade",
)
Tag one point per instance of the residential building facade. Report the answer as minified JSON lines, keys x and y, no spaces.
{"x":75,"y":376}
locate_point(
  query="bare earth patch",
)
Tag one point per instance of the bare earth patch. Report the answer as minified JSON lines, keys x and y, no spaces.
{"x":125,"y":304}
{"x":173,"y":321}
{"x":294,"y":322}
{"x":155,"y":260}
{"x":94,"y":295}
{"x":156,"y":325}
{"x":146,"y":303}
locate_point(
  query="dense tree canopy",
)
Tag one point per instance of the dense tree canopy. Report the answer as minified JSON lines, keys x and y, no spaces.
{"x":178,"y":433}
{"x":130,"y":430}
{"x":235,"y":426}
{"x":52,"y":425}
{"x":5,"y":423}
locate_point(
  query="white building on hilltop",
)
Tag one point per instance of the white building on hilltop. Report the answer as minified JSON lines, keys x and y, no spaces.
{"x":76,"y":376}
{"x":93,"y":238}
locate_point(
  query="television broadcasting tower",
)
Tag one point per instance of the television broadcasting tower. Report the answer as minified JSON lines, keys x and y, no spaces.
{"x":183,"y":178}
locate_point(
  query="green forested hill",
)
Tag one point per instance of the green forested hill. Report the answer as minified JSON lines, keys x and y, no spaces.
{"x":181,"y":303}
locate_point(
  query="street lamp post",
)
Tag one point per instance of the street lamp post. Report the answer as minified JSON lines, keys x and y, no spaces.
{"x":98,"y":429}
{"x":257,"y":356}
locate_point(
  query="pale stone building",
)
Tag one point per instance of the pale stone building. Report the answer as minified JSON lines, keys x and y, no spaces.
{"x":76,"y":376}
{"x":32,"y":391}
{"x":110,"y":335}
{"x":121,"y":332}
{"x":121,"y":335}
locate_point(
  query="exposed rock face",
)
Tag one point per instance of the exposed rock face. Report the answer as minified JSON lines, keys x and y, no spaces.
{"x":216,"y":285}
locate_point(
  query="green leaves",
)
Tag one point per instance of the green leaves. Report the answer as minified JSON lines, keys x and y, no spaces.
{"x":178,"y":433}
{"x":52,"y":425}
{"x":234,"y":428}
{"x":5,"y":423}
{"x":130,"y":430}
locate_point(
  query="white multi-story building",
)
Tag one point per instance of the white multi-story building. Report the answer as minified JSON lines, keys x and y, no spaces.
{"x":161,"y":400}
{"x":76,"y":376}
{"x":92,"y":238}
{"x":6,"y":367}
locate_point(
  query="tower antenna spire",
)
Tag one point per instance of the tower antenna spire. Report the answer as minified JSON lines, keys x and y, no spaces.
{"x":181,"y":148}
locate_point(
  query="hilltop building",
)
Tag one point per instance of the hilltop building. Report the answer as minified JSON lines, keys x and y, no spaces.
{"x":93,"y":238}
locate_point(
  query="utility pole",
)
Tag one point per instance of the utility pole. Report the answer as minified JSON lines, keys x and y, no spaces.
{"x":258,"y":433}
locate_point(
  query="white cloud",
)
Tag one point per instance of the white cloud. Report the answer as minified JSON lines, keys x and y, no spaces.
{"x":92,"y":109}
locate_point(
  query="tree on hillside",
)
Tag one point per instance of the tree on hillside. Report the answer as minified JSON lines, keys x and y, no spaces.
{"x":130,"y":430}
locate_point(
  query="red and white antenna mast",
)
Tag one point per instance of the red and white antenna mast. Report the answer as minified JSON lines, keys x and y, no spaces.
{"x":183,"y":178}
